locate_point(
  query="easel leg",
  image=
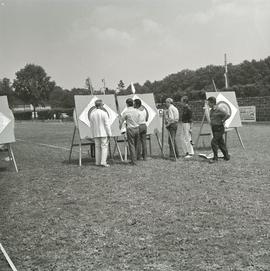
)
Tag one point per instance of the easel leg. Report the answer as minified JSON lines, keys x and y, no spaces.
{"x":118,"y":149}
{"x":240,"y":139}
{"x":162,"y":134}
{"x":197,"y":140}
{"x":80,"y":153}
{"x":110,"y":150}
{"x":160,"y":145}
{"x":71,"y":147}
{"x":126,"y":149}
{"x":172,"y":144}
{"x":150,"y":146}
{"x":115,"y":146}
{"x":11,"y":156}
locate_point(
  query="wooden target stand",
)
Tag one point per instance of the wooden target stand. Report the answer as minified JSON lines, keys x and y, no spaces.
{"x":90,"y":142}
{"x":8,"y":148}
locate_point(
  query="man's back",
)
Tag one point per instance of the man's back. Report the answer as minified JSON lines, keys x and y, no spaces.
{"x":99,"y":121}
{"x":131,"y":116}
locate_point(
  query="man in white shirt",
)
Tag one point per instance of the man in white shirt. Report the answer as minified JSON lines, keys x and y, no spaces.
{"x":171,"y":122}
{"x":101,"y":130}
{"x":131,"y":116}
{"x":141,"y":146}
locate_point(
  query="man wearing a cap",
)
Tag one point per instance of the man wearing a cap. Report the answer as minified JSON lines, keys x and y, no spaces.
{"x":100,"y":125}
{"x":131,"y":117}
{"x":171,"y":122}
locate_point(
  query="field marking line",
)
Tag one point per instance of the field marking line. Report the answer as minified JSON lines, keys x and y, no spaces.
{"x":7,"y":258}
{"x":47,"y":145}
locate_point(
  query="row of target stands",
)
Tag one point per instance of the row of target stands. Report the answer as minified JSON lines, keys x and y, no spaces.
{"x":114,"y":106}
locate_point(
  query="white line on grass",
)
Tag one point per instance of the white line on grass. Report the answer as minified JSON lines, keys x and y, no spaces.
{"x":7,"y":258}
{"x":45,"y":145}
{"x":48,"y":145}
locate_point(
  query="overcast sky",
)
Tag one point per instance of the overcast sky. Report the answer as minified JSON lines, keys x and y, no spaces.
{"x":132,"y":40}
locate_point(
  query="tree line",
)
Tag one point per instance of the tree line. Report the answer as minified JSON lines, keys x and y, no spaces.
{"x":33,"y":86}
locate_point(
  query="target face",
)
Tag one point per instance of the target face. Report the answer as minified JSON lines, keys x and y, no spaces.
{"x":85,"y":115}
{"x":226,"y":101}
{"x":224,"y":107}
{"x":150,"y":113}
{"x":85,"y":106}
{"x":6,"y":122}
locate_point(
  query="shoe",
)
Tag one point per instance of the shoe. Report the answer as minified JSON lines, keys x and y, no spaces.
{"x":227,"y":158}
{"x":188,"y":156}
{"x":106,"y":165}
{"x":133,"y":163}
{"x":213,"y":160}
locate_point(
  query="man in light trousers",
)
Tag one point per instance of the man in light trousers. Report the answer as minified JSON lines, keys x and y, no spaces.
{"x":100,"y":125}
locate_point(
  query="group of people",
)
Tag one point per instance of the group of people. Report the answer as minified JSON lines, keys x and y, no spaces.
{"x":134,"y":119}
{"x":218,"y":118}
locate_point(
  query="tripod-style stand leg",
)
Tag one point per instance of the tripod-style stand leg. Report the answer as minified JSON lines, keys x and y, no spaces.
{"x":240,"y":139}
{"x":162,"y":133}
{"x":71,"y":147}
{"x":11,"y":156}
{"x":160,"y":145}
{"x":202,"y":123}
{"x":118,"y":149}
{"x":150,"y":146}
{"x":172,"y":144}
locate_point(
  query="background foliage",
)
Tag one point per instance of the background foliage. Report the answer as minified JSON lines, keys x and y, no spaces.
{"x":251,"y":78}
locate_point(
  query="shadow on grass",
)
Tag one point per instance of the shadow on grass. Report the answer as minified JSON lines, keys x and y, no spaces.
{"x":2,"y":169}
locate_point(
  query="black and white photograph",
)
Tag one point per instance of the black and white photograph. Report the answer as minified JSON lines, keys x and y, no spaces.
{"x":134,"y":135}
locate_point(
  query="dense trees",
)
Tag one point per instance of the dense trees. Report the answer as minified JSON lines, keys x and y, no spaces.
{"x":246,"y":79}
{"x":250,"y":78}
{"x":33,"y":85}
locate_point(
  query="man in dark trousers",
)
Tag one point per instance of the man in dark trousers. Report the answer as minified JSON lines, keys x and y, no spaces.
{"x":131,"y":116}
{"x":141,"y":146}
{"x":217,"y":119}
{"x":171,"y":122}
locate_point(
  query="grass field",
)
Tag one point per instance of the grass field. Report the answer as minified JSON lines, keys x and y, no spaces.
{"x":160,"y":215}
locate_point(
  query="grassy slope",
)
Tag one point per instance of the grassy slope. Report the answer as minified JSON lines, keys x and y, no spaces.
{"x":161,"y":215}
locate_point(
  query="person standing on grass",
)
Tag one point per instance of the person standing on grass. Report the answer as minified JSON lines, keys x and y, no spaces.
{"x":171,"y":122}
{"x":217,"y":120}
{"x":100,"y":125}
{"x":141,"y":146}
{"x":186,"y":130}
{"x":131,"y":116}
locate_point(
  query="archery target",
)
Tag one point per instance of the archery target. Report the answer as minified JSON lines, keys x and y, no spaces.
{"x":227,"y":102}
{"x":6,"y":122}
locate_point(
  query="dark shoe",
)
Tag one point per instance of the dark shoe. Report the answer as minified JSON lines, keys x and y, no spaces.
{"x":227,"y":158}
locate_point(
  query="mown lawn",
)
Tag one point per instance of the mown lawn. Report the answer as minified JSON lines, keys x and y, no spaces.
{"x":160,"y":215}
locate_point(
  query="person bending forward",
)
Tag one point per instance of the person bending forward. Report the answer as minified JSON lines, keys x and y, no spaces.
{"x":217,"y":119}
